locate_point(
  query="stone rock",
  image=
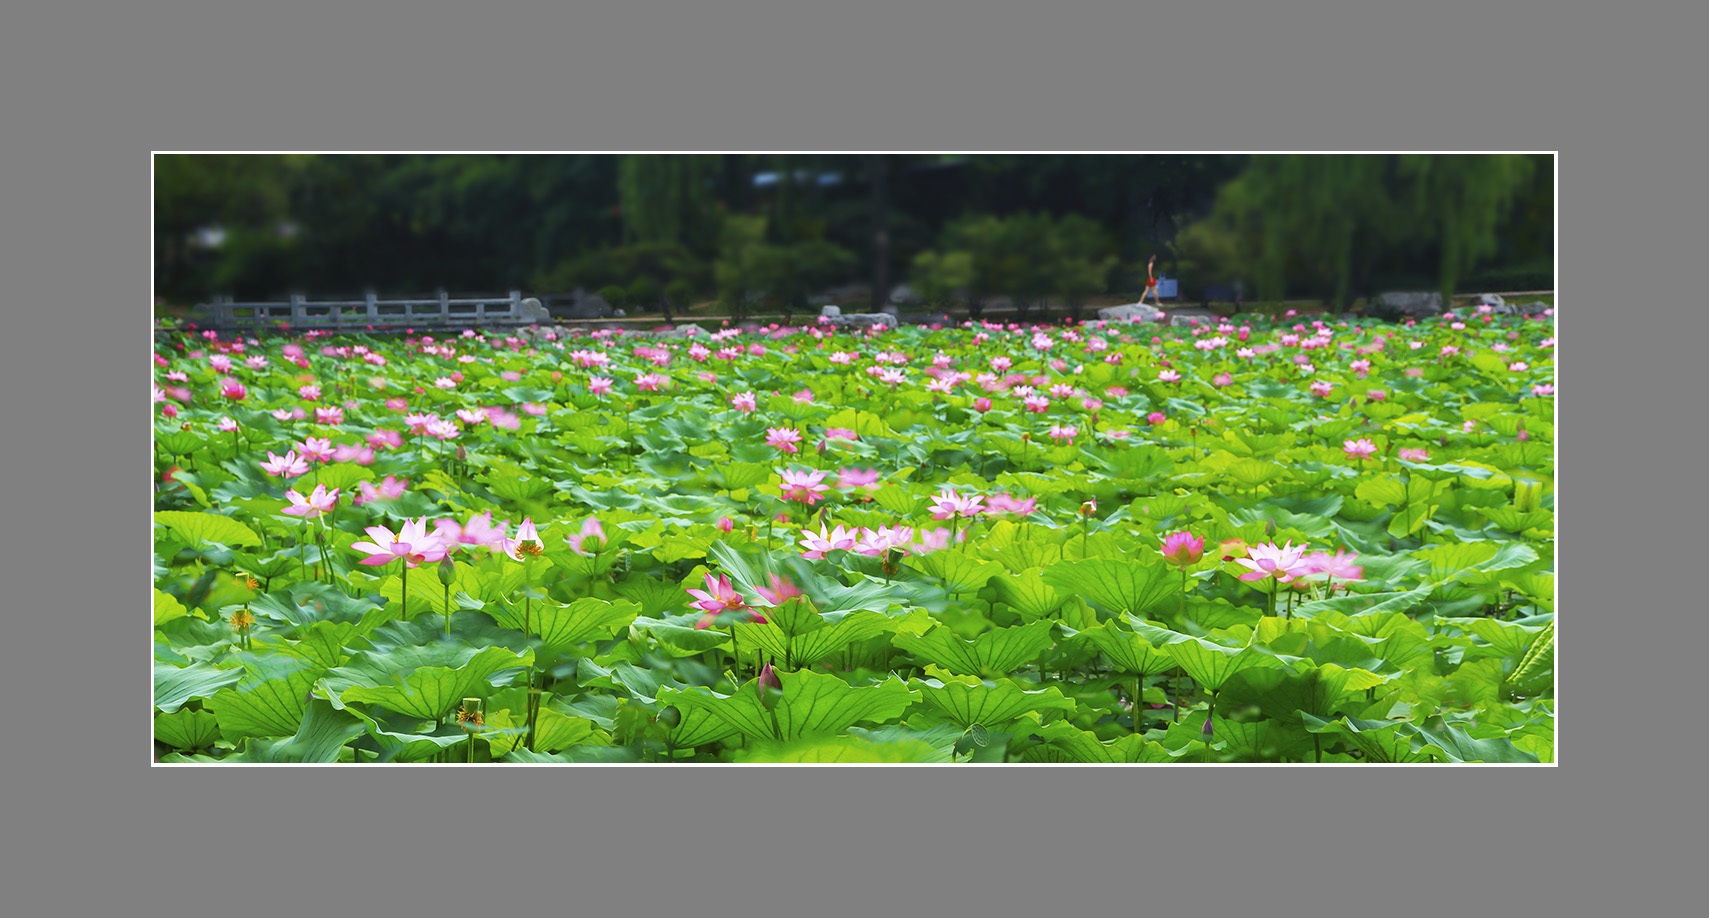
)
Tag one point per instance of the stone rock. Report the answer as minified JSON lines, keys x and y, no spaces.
{"x":533,"y":311}
{"x":1406,"y":305}
{"x":1489,"y":299}
{"x":584,"y":305}
{"x":861,"y":320}
{"x":904,"y":295}
{"x":1132,"y":312}
{"x":829,"y":310}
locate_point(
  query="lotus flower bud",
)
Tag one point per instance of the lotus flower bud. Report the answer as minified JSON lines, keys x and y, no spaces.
{"x":768,"y":679}
{"x":725,"y":524}
{"x":447,"y":570}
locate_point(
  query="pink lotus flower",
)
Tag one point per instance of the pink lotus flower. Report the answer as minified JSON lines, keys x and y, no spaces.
{"x":590,"y":539}
{"x":1518,"y":366}
{"x":1358,"y":449}
{"x":649,"y":382}
{"x":330,"y":416}
{"x":1001,"y":504}
{"x":1036,"y":403}
{"x":840,"y":433}
{"x":784,"y":439}
{"x":286,"y":466}
{"x":1222,"y":379}
{"x":851,"y":479}
{"x":390,"y":489}
{"x":1155,"y":417}
{"x":804,"y":486}
{"x":352,"y":452}
{"x":412,"y":544}
{"x":782,"y":590}
{"x":1543,"y":389}
{"x":1449,"y":350}
{"x":386,"y":439}
{"x":725,"y":524}
{"x":316,"y":503}
{"x":931,"y":540}
{"x":599,"y":385}
{"x":1267,"y":561}
{"x":441,"y":429}
{"x":470,"y":417}
{"x":1322,"y":389}
{"x":1060,"y":433}
{"x":1183,"y":548}
{"x":744,"y":401}
{"x":949,"y":505}
{"x":527,"y":542}
{"x":309,"y":393}
{"x":315,"y":449}
{"x":234,"y":391}
{"x":1339,"y":565}
{"x":1168,"y":376}
{"x":226,"y":425}
{"x":1414,"y":455}
{"x":981,"y":404}
{"x":479,"y":531}
{"x":838,"y":539}
{"x":445,"y":382}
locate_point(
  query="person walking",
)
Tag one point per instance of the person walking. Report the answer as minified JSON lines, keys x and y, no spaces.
{"x":1151,"y":282}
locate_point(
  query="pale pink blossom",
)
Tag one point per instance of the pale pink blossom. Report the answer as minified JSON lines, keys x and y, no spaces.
{"x":744,"y":401}
{"x":590,"y":539}
{"x":806,"y":486}
{"x":949,"y":505}
{"x":289,"y":465}
{"x":838,"y":539}
{"x":1358,"y":449}
{"x":784,"y":439}
{"x":412,"y":544}
{"x":316,"y":503}
{"x":1267,"y":560}
{"x":390,"y":489}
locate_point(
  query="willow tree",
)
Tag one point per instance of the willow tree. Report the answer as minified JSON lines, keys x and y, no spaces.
{"x":668,"y":199}
{"x":1460,"y":200}
{"x":1336,"y":217}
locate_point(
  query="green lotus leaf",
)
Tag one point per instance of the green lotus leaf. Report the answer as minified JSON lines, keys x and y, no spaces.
{"x":960,"y":572}
{"x":1027,"y":593}
{"x":186,"y":729}
{"x":1378,"y":740}
{"x":678,"y":634}
{"x":812,"y":644}
{"x":560,"y":626}
{"x":167,"y":608}
{"x":989,"y":705}
{"x":1504,"y":639}
{"x":322,"y":734}
{"x":273,"y":707}
{"x":1061,"y":741}
{"x":340,"y":475}
{"x":1453,"y":743}
{"x":809,"y":704}
{"x":653,"y":596}
{"x":1123,"y":587}
{"x":323,"y":644}
{"x":197,"y":529}
{"x":994,"y":653}
{"x":1129,"y":652}
{"x":413,"y":681}
{"x":174,"y":685}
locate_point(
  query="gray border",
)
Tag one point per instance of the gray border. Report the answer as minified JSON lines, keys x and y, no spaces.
{"x":105,"y":92}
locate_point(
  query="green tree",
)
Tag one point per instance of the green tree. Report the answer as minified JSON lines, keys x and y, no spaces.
{"x":1080,"y":262}
{"x":668,"y":199}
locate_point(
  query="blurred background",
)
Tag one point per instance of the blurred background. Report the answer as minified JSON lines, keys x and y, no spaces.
{"x":781,"y":234}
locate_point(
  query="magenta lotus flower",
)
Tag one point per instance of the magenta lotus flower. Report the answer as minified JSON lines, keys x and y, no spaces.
{"x":1037,"y":404}
{"x":725,"y":524}
{"x":949,"y":505}
{"x":981,"y":404}
{"x":1156,"y":417}
{"x":316,"y":503}
{"x":412,"y":544}
{"x":768,"y":678}
{"x":784,"y":439}
{"x":1060,"y":433}
{"x":719,"y":596}
{"x":1267,"y":561}
{"x":744,"y":401}
{"x":234,"y":391}
{"x":330,"y":416}
{"x":806,"y":486}
{"x":289,"y":465}
{"x":1183,"y":548}
{"x":599,"y":385}
{"x":527,"y":542}
{"x":838,"y":539}
{"x":649,"y":382}
{"x":590,"y":539}
{"x":1358,"y":449}
{"x":390,"y":489}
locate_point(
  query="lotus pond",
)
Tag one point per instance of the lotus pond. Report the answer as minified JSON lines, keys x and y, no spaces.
{"x":1300,"y":540}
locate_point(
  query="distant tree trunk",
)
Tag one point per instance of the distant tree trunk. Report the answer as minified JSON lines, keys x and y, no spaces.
{"x":880,"y":167}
